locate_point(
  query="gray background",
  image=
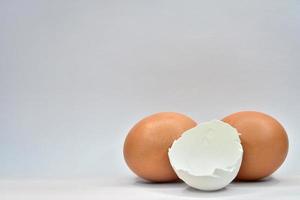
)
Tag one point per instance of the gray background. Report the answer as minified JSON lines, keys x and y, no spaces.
{"x":76,"y":75}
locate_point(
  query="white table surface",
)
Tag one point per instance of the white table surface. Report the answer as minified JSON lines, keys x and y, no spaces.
{"x":276,"y":187}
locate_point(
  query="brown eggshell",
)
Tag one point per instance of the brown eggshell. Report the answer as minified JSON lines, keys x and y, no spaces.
{"x":264,"y":141}
{"x":146,"y":145}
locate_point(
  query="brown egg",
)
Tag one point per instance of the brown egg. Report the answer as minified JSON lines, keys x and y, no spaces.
{"x":264,"y":141}
{"x":146,"y":145}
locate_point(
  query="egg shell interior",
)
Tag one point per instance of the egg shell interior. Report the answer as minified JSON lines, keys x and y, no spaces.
{"x":207,"y":156}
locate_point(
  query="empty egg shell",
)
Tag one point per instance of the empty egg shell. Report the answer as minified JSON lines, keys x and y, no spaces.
{"x":208,"y":156}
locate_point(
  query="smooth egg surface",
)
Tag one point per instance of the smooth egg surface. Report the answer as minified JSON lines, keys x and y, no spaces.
{"x":147,"y":143}
{"x":264,"y":141}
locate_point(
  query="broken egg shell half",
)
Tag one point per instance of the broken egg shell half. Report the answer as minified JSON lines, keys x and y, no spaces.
{"x":208,"y":156}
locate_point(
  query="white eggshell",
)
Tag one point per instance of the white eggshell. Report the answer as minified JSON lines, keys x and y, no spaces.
{"x":208,"y":156}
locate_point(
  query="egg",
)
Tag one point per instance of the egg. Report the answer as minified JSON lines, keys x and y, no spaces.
{"x":146,"y":145}
{"x":264,"y":141}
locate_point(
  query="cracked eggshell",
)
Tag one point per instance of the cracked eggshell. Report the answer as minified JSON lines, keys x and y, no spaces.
{"x":208,"y":156}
